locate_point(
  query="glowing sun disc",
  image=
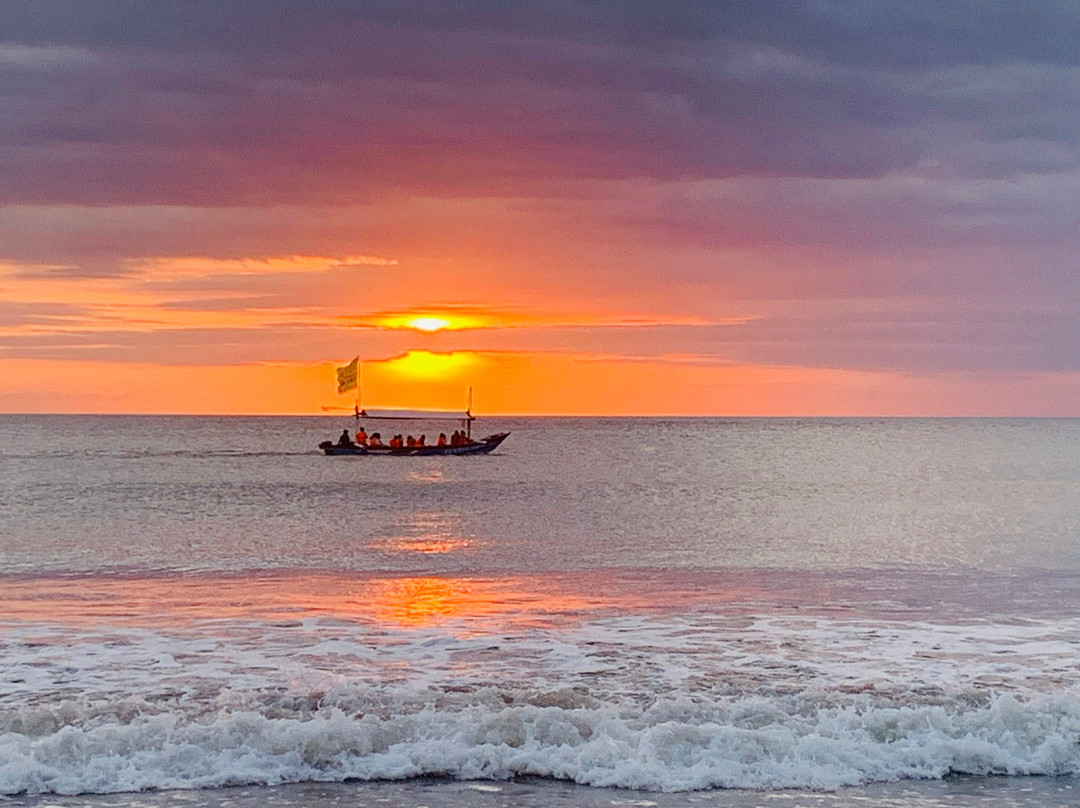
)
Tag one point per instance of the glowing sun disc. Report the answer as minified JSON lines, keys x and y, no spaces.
{"x":428,"y":323}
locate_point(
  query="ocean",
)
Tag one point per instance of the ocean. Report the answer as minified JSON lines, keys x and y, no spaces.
{"x":202,"y":611}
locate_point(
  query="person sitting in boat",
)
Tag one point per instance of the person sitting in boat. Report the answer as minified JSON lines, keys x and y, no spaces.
{"x":376,"y":441}
{"x":344,"y":440}
{"x":442,"y":439}
{"x":410,"y":441}
{"x":362,"y":437}
{"x":420,"y":441}
{"x":395,"y":442}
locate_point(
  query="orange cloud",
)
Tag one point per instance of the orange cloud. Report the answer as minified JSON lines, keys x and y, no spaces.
{"x":468,"y":317}
{"x":127,"y":303}
{"x":173,"y":267}
{"x":526,"y":383}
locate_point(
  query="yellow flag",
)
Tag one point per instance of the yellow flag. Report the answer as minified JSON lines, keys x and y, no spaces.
{"x":347,"y":376}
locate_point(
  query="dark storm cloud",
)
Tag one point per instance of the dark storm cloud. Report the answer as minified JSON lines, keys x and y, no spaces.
{"x":224,"y":103}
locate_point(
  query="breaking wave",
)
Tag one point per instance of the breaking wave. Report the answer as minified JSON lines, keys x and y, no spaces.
{"x":615,"y":705}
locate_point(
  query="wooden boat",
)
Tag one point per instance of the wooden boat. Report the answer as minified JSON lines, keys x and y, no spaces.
{"x":467,"y":446}
{"x":483,"y":446}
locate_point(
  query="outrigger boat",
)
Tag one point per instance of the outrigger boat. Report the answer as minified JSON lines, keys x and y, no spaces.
{"x":467,"y":447}
{"x":348,"y":379}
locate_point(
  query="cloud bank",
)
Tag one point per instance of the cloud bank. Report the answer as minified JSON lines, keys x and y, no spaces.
{"x":870,"y":187}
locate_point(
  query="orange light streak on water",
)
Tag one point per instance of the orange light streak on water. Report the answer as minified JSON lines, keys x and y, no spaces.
{"x":397,"y":602}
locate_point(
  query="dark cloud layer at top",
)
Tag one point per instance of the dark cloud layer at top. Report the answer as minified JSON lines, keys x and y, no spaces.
{"x":862,"y":32}
{"x":913,"y":164}
{"x":208,"y":103}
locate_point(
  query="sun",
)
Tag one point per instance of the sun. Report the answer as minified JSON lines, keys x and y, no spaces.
{"x":428,"y":324}
{"x":427,"y":321}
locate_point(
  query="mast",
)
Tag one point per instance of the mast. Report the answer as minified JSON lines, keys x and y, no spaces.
{"x":468,"y":412}
{"x":359,"y":386}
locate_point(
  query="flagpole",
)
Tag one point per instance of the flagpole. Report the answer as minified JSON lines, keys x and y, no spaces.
{"x":348,"y":378}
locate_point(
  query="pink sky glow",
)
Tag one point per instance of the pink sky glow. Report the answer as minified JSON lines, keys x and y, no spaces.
{"x":801,"y":208}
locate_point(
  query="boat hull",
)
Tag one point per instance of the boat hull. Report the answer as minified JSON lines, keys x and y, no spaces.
{"x":476,"y":447}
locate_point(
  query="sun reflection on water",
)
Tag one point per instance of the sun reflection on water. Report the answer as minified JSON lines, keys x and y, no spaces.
{"x":429,"y":475}
{"x":426,"y":476}
{"x":429,"y":532}
{"x":422,"y":544}
{"x":182,"y":601}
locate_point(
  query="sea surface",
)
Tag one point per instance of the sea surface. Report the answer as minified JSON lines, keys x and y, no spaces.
{"x":207,"y":612}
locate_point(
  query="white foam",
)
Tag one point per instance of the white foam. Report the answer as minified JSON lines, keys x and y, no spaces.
{"x":663,"y":704}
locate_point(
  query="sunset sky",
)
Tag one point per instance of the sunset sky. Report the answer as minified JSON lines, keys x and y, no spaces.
{"x":730,"y":208}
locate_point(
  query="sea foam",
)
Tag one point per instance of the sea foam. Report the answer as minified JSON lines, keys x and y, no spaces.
{"x":661,"y":703}
{"x":748,"y":744}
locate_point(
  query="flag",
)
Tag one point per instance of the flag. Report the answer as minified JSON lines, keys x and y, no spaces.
{"x":347,"y":376}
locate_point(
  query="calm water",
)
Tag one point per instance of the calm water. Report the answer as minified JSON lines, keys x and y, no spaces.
{"x":710,"y":612}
